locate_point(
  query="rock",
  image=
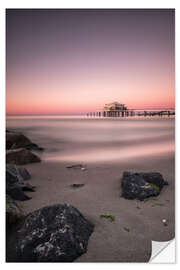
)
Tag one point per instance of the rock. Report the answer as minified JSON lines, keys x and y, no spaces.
{"x":165,"y":222}
{"x":15,"y":184}
{"x":75,"y":166}
{"x":34,"y":147}
{"x":154,"y":178}
{"x":141,"y":185}
{"x":23,"y":172}
{"x":14,"y":172}
{"x":14,"y":212}
{"x":16,"y":140}
{"x":28,"y":187}
{"x":17,"y":193}
{"x":57,"y":233}
{"x":21,"y":156}
{"x":77,"y":185}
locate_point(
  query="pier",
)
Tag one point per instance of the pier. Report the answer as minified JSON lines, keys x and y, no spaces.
{"x":126,"y":113}
{"x":116,"y":109}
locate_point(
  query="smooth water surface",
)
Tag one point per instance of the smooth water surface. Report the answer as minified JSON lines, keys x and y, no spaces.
{"x":79,"y":139}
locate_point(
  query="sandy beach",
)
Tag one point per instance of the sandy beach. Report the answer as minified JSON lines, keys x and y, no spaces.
{"x":128,"y":238}
{"x":110,"y":242}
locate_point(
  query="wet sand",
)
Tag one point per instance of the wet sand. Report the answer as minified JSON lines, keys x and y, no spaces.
{"x":101,"y":194}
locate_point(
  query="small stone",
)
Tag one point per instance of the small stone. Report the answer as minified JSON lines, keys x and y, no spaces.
{"x":77,"y":185}
{"x":75,"y":166}
{"x":126,"y":229}
{"x":165,"y":222}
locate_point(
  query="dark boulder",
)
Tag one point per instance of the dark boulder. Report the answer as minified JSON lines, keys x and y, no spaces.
{"x":16,"y":140}
{"x":141,"y":185}
{"x":21,"y":156}
{"x":17,"y":193}
{"x":15,"y":184}
{"x":14,"y":213}
{"x":17,"y":173}
{"x":57,"y":233}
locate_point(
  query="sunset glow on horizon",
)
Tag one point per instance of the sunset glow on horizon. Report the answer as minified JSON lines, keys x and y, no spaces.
{"x":75,"y":61}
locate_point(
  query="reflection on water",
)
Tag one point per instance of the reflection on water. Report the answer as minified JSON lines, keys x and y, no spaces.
{"x":91,"y":140}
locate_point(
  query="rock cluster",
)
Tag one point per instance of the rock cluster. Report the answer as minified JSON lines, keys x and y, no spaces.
{"x":18,"y":149}
{"x":56,"y":233}
{"x":141,"y":185}
{"x":16,"y":182}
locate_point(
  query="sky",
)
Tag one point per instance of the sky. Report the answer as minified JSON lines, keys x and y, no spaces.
{"x":63,"y":61}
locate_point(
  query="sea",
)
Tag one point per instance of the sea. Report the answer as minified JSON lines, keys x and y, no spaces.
{"x":77,"y":139}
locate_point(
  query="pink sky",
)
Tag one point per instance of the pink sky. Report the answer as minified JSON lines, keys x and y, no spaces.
{"x":66,"y":62}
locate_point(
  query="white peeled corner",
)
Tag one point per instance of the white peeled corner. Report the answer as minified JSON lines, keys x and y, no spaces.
{"x":163,"y":252}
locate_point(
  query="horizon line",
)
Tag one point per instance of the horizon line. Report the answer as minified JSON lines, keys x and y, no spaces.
{"x":65,"y":114}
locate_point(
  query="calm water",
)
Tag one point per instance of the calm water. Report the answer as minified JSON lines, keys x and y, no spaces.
{"x":78,"y":139}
